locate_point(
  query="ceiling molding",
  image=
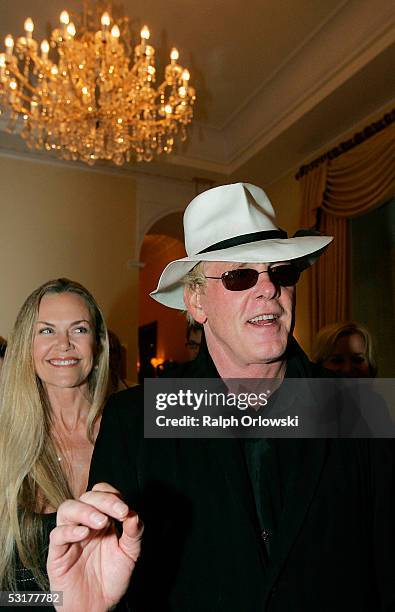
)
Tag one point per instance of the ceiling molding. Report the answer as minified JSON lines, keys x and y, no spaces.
{"x":338,"y":48}
{"x":282,"y":66}
{"x":345,"y":45}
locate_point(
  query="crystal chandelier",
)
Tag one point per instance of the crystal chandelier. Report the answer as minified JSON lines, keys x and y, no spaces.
{"x":87,"y":95}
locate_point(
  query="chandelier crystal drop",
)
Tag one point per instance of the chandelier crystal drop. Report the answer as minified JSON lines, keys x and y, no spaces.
{"x":87,"y":95}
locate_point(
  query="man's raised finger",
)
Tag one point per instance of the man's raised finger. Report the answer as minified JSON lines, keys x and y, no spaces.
{"x":106,"y":502}
{"x":132,"y":532}
{"x":75,"y":512}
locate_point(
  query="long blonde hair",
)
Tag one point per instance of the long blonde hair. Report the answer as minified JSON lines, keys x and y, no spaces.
{"x":29,"y":466}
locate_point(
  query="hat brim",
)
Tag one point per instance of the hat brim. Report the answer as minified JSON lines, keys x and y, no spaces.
{"x":170,"y":290}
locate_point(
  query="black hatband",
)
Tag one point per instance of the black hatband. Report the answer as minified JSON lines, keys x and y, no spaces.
{"x":244,"y":239}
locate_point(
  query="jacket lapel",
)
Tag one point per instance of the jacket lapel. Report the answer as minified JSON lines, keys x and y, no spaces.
{"x":230,"y":459}
{"x":308,"y":461}
{"x":228,"y":454}
{"x":308,"y":464}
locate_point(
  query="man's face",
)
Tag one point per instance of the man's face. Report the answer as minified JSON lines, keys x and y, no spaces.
{"x":250,"y":326}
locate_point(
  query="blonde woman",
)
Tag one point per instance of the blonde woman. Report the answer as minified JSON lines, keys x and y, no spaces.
{"x":53,"y":388}
{"x":347,"y":349}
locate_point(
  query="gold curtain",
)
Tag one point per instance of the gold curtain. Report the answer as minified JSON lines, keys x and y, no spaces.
{"x":362,"y":178}
{"x":335,"y":191}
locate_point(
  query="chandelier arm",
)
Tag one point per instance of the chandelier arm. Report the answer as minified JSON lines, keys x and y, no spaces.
{"x":21,"y":77}
{"x":26,"y":99}
{"x":71,"y":81}
{"x":17,"y":108}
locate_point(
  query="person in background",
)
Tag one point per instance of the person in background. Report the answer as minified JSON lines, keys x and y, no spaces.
{"x":347,"y":349}
{"x":116,"y":380}
{"x":193,"y":340}
{"x":51,"y":399}
{"x":3,"y":346}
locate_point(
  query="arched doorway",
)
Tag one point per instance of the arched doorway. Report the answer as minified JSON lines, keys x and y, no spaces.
{"x":162,"y":330}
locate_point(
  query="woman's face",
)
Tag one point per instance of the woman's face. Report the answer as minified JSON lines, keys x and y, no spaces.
{"x":64,"y":341}
{"x":349,"y":357}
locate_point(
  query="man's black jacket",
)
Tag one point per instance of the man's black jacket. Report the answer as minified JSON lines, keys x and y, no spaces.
{"x":203,"y":551}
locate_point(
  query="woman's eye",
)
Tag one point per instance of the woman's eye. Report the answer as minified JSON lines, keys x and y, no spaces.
{"x":336,"y":360}
{"x":81,"y":330}
{"x":45,"y":331}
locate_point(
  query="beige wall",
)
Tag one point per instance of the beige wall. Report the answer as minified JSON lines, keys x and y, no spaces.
{"x":59,"y":220}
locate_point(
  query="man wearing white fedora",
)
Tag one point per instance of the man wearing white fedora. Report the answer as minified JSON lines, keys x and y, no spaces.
{"x":232,"y":525}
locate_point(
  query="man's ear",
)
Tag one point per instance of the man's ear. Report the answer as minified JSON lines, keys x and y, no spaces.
{"x":192,"y":299}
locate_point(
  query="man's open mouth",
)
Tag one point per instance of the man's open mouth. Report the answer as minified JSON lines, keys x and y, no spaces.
{"x":264,"y":319}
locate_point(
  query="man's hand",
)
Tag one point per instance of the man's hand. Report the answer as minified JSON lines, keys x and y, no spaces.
{"x":87,"y":560}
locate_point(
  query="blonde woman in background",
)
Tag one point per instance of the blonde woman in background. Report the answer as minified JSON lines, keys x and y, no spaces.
{"x":51,"y":398}
{"x":346,"y":348}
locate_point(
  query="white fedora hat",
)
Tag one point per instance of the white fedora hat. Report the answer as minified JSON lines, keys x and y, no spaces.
{"x":234,"y":223}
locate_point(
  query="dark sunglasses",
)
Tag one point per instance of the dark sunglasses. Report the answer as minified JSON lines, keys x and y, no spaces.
{"x":241,"y":279}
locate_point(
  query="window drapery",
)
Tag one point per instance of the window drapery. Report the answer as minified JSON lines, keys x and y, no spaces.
{"x":333,"y":192}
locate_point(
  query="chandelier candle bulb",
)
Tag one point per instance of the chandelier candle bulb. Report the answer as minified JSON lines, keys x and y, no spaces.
{"x":44,"y":49}
{"x":115,"y":33}
{"x":29,"y":27}
{"x":13,"y":87}
{"x":9,"y":45}
{"x":2,"y":66}
{"x":145,"y":33}
{"x":174,"y":55}
{"x":105,"y":20}
{"x":34,"y":108}
{"x":70,"y":29}
{"x":64,"y":18}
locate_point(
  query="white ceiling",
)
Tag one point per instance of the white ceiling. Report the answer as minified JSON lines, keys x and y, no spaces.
{"x":276,"y":80}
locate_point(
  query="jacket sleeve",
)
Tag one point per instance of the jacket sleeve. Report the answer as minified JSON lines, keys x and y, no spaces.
{"x":383,"y":467}
{"x":115,"y":456}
